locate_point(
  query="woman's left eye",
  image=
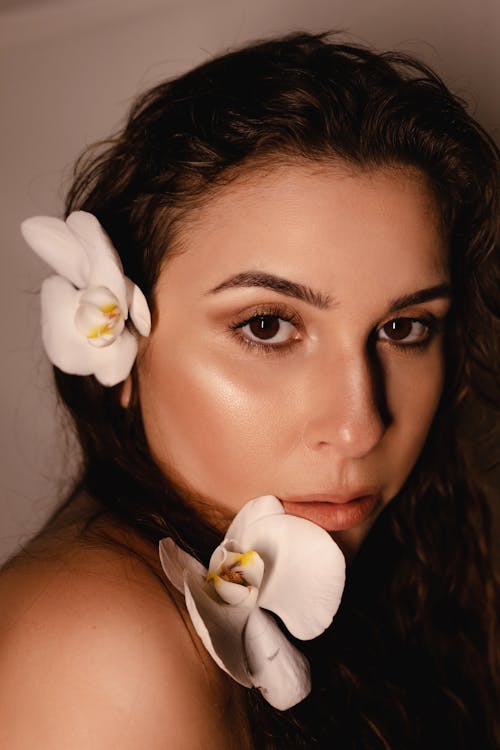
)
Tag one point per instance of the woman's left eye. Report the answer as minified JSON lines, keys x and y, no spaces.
{"x":267,"y":330}
{"x":406,"y":331}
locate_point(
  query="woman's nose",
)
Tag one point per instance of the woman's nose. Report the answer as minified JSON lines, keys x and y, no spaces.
{"x":348,"y":412}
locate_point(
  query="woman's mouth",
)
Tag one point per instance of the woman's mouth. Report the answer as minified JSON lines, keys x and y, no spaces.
{"x":332,"y":512}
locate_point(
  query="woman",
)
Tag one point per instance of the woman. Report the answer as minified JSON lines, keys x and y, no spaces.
{"x":313,"y":227}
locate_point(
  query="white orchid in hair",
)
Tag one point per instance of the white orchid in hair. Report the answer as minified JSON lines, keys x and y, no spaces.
{"x":268,"y":560}
{"x":85,"y":306}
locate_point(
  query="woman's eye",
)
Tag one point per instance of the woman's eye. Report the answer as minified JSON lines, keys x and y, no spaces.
{"x":270,"y":329}
{"x":405,"y":331}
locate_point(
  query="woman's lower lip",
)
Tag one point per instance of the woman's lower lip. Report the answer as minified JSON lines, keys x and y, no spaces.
{"x":334,"y":516}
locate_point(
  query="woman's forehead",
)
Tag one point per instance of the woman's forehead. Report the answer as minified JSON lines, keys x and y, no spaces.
{"x":316,"y":223}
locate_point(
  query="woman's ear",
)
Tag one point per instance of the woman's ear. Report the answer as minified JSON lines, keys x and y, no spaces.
{"x":126,"y":392}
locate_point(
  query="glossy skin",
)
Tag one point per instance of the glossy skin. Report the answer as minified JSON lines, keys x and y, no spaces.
{"x":317,"y":399}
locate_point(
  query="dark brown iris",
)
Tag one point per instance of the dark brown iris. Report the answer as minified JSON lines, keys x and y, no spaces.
{"x":398,"y":329}
{"x":265,"y":326}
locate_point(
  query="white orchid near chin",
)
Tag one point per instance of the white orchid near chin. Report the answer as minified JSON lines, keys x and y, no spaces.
{"x":268,"y":560}
{"x":85,"y":306}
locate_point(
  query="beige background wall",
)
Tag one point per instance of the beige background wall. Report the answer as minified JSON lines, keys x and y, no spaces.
{"x":68,"y":71}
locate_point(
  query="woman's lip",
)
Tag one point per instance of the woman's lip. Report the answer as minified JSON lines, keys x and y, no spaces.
{"x":332,"y":514}
{"x":331,"y":497}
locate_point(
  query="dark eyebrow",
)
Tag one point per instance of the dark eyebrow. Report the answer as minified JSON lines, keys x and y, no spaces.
{"x":277,"y":284}
{"x":317,"y":299}
{"x":422,"y":295}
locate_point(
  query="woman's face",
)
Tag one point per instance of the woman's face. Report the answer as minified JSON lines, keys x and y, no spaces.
{"x":298,"y":345}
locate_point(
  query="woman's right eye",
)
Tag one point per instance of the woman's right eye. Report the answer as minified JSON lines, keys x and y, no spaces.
{"x":267,"y":330}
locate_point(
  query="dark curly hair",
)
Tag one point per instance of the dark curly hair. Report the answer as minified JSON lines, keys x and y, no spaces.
{"x":412,"y":659}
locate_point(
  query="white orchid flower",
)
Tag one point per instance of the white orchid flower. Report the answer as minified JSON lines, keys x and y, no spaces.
{"x":268,"y":560}
{"x":85,"y":306}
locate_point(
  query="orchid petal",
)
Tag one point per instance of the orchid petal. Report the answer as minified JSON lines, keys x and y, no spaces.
{"x":112,"y":364}
{"x":105,"y":266}
{"x":65,"y":346}
{"x":220,"y":626}
{"x":304,"y":572}
{"x":138,"y":307}
{"x":231,"y":593}
{"x":56,"y":244}
{"x":254,"y":510}
{"x":175,"y":561}
{"x":218,"y":558}
{"x":276,"y":667}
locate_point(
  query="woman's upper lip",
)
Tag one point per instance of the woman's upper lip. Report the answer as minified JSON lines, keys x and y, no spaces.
{"x":331,"y":497}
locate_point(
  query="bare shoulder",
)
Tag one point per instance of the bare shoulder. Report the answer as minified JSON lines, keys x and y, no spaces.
{"x":95,"y":652}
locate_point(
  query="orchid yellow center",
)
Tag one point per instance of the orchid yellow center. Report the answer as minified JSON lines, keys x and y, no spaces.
{"x":111,"y":314}
{"x":234,"y":572}
{"x":99,"y":316}
{"x":232,"y":569}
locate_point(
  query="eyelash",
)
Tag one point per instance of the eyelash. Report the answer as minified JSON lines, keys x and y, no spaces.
{"x":429,"y":321}
{"x":268,"y":312}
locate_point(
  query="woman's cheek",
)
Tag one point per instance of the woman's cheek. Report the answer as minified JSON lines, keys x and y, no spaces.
{"x":215,"y":425}
{"x":413,"y":393}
